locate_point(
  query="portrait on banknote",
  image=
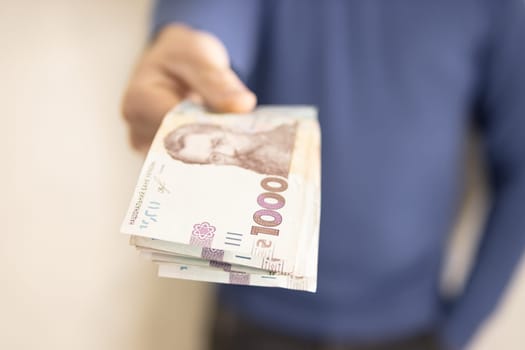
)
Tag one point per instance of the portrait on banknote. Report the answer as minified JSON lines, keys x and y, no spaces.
{"x":265,"y":152}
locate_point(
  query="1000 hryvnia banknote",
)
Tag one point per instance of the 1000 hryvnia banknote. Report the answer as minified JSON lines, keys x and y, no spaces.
{"x":239,"y":191}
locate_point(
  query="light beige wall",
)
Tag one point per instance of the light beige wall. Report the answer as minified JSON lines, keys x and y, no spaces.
{"x":68,"y":279}
{"x":504,"y":329}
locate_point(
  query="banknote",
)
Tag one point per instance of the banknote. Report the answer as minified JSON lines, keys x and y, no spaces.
{"x":308,"y":244}
{"x":159,"y":257}
{"x":220,"y":275}
{"x":239,"y":190}
{"x":178,"y":251}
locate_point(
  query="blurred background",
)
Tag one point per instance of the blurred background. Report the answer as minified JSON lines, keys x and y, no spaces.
{"x":69,"y":279}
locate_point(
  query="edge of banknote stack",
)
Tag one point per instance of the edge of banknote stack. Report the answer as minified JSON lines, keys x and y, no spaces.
{"x":231,"y":198}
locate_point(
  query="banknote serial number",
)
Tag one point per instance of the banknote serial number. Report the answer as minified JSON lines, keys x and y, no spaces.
{"x":267,"y":219}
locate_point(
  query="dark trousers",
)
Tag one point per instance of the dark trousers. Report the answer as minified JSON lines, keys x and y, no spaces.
{"x":231,"y":332}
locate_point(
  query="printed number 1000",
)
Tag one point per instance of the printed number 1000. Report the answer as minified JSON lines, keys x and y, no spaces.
{"x":268,"y":218}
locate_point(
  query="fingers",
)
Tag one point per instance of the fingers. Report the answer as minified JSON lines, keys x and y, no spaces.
{"x":144,"y":110}
{"x":201,"y":61}
{"x":150,"y":95}
{"x":181,"y":63}
{"x":220,"y":88}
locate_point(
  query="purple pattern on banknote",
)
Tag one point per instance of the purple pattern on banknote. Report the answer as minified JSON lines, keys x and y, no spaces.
{"x":239,"y":278}
{"x":202,"y":235}
{"x":212,"y":254}
{"x":221,"y":265}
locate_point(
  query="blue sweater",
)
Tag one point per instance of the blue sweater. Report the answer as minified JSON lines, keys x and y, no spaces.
{"x":398,"y":84}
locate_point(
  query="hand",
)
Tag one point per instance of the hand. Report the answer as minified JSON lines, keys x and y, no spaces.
{"x":181,"y":63}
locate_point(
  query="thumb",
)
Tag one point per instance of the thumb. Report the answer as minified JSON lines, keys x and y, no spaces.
{"x":201,"y":61}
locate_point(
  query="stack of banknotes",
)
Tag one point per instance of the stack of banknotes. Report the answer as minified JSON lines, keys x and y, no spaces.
{"x":231,"y":198}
